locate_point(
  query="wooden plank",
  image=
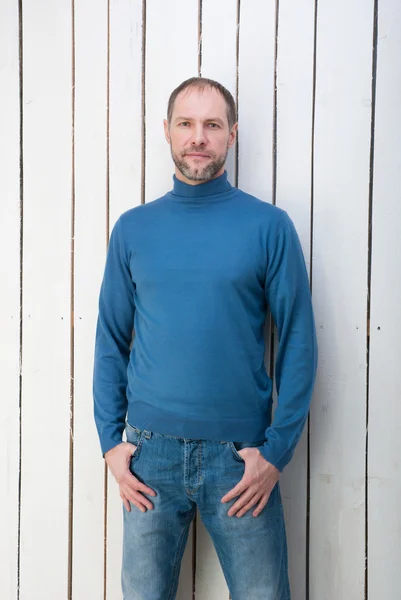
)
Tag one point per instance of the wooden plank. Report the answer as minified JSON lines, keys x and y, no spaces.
{"x":339,"y":277}
{"x":171,"y":57}
{"x":125,"y":192}
{"x":219,"y":30}
{"x":47,"y":130}
{"x":256,"y":97}
{"x":384,"y":444}
{"x":10,"y":299}
{"x":89,"y":256}
{"x":293,"y":194}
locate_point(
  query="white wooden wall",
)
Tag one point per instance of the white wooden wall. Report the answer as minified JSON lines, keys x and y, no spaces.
{"x":84,"y":87}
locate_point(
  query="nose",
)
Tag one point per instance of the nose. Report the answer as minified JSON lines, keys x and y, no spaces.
{"x":198,"y":137}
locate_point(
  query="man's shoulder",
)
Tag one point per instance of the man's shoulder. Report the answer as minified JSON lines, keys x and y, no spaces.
{"x":262,"y":207}
{"x":142,"y":211}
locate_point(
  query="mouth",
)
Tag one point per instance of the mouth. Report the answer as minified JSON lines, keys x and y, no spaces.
{"x":197,"y":155}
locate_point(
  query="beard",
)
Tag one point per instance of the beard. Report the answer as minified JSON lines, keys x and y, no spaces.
{"x":199,"y":173}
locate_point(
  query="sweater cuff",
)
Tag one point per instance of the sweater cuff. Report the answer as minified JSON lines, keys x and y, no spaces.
{"x":274,"y":456}
{"x":108,"y":444}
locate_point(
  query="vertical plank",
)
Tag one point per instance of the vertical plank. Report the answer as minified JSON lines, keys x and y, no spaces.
{"x":384,"y":445}
{"x":219,"y":30}
{"x":256,"y":97}
{"x":295,"y":55}
{"x":171,"y":57}
{"x":89,"y":255}
{"x":10,"y":276}
{"x":46,"y":300}
{"x":340,"y":250}
{"x":124,"y":192}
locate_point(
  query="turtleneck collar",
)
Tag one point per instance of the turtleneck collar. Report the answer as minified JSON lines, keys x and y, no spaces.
{"x":210,"y":191}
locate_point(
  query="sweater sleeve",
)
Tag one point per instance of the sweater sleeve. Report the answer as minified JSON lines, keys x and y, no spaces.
{"x":288,"y":296}
{"x":112,"y":343}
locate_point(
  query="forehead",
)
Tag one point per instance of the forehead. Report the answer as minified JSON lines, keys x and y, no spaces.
{"x":200,"y":103}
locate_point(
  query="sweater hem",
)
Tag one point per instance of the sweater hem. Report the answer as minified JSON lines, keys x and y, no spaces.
{"x":144,"y":416}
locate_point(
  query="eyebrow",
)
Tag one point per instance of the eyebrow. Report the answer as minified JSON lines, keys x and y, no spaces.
{"x":216,"y":120}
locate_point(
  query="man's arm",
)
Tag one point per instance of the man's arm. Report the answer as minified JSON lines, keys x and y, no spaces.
{"x":288,"y":295}
{"x":112,"y":344}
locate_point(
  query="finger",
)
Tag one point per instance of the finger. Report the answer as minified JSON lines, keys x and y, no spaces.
{"x":136,"y":497}
{"x":236,"y":491}
{"x":125,"y":502}
{"x":141,"y":487}
{"x":254,"y":500}
{"x":263,"y":501}
{"x":135,"y":484}
{"x":242,"y":500}
{"x":128,"y":501}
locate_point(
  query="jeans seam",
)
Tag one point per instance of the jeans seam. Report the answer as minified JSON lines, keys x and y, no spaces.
{"x":176,"y":561}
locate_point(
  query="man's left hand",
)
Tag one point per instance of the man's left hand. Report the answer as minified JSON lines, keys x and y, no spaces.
{"x":256,"y":485}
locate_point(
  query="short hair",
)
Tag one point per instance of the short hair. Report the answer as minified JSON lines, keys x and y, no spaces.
{"x":201,"y":83}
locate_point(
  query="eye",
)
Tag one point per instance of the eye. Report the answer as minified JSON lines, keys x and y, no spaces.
{"x":183,"y":123}
{"x":213,"y":125}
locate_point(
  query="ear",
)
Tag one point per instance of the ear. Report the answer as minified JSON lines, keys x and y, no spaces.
{"x":166,"y":131}
{"x":233,"y":135}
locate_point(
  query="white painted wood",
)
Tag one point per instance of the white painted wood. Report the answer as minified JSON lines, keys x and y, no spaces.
{"x":46,"y":300}
{"x":89,"y":252}
{"x":219,"y":60}
{"x":339,"y":267}
{"x":293,"y":194}
{"x":10,"y":297}
{"x":256,"y":95}
{"x":171,"y":57}
{"x":125,"y":193}
{"x":384,"y":443}
{"x":339,"y":274}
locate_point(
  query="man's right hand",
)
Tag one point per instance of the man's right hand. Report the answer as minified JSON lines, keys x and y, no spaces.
{"x":118,"y":460}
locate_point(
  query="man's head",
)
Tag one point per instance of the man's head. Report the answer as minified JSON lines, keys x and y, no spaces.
{"x":200,"y":128}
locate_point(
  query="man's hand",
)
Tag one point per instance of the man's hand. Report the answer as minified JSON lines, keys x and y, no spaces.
{"x":256,"y":485}
{"x":118,"y":460}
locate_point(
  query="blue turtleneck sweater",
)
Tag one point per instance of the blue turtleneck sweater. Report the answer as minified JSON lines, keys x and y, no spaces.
{"x":193,"y":274}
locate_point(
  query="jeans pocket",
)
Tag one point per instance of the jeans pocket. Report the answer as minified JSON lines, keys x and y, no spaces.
{"x":235,"y":446}
{"x":135,"y":437}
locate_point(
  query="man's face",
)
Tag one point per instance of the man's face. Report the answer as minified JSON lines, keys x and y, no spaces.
{"x":199,"y":134}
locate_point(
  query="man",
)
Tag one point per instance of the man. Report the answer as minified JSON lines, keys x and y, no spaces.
{"x":193,"y":274}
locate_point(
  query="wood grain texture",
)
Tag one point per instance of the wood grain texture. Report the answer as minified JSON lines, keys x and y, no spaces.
{"x":10,"y":297}
{"x":89,"y":257}
{"x":46,"y":340}
{"x":293,"y":194}
{"x":340,"y":253}
{"x":125,"y":168}
{"x":112,"y":175}
{"x":384,"y":444}
{"x":256,"y":98}
{"x":219,"y":61}
{"x":171,"y":57}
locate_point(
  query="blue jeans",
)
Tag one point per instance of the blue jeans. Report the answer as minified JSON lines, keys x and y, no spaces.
{"x":186,"y":474}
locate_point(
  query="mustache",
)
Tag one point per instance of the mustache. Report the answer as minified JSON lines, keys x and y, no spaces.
{"x":200,"y":150}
